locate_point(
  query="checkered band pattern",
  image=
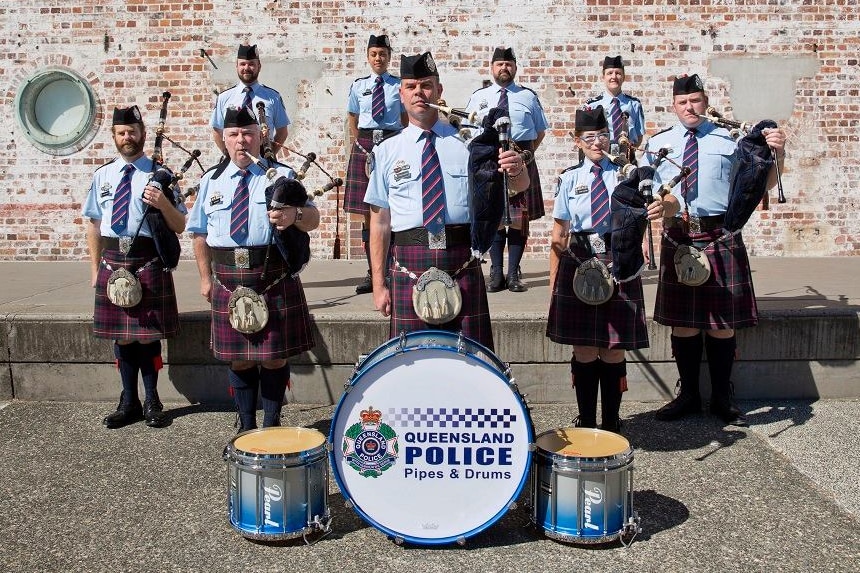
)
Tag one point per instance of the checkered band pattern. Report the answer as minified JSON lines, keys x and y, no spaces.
{"x":451,"y":417}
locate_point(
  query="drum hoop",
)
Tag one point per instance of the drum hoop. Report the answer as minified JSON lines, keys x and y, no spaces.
{"x":564,"y":463}
{"x":365,"y":367}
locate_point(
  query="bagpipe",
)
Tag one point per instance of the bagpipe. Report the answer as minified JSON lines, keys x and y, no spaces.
{"x":281,"y":193}
{"x":167,"y":181}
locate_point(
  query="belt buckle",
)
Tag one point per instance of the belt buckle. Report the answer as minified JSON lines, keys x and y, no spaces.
{"x":437,"y":241}
{"x":377,"y":136}
{"x":695,"y":224}
{"x":598,"y":245}
{"x":125,"y":245}
{"x":242,"y":258}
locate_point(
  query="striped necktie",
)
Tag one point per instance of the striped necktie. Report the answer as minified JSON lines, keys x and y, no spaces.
{"x":122,"y":201}
{"x":599,"y":202}
{"x":239,"y":216}
{"x":249,"y":98}
{"x":691,"y":160}
{"x":503,"y":99}
{"x":433,"y":188}
{"x":615,"y":117}
{"x":378,"y":100}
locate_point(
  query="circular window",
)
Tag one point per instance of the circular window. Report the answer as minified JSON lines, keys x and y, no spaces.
{"x":57,"y":110}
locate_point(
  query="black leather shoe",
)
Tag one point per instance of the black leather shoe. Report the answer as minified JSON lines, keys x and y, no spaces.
{"x":612,"y":426}
{"x":686,"y":403}
{"x":153,"y":413}
{"x":578,"y":422}
{"x":125,"y":414}
{"x":365,"y":286}
{"x":516,"y":285}
{"x":497,"y":280}
{"x":728,"y":412}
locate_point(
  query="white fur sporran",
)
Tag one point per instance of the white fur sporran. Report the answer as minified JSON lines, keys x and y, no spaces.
{"x":691,"y":265}
{"x":248,"y":311}
{"x":592,"y":283}
{"x":123,"y":289}
{"x":436,"y":297}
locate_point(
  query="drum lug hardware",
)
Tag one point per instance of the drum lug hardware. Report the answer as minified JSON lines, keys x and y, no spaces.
{"x":348,"y":504}
{"x":398,"y":541}
{"x":461,"y":345}
{"x":512,"y":506}
{"x":401,"y":344}
{"x":461,"y":541}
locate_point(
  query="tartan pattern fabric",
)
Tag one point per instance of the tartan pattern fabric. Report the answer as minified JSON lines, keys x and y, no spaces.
{"x":432,"y":187}
{"x":377,"y":106}
{"x":532,"y":198}
{"x":122,"y":201}
{"x":356,"y":178}
{"x":289,"y":330}
{"x":619,"y":323}
{"x":691,"y":160}
{"x":451,"y":417}
{"x":615,"y":118}
{"x":474,"y":318}
{"x":725,"y":300}
{"x":249,"y":97}
{"x":240,"y":206}
{"x":154,"y":318}
{"x":599,"y":202}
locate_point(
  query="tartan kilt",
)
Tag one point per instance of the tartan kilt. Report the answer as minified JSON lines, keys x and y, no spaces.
{"x":356,"y":178}
{"x":619,"y":323}
{"x":532,"y":198}
{"x":726,"y":300}
{"x":474,"y":317}
{"x":288,"y":331}
{"x":154,"y":318}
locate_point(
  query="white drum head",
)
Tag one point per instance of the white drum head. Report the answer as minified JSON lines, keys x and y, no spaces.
{"x":430,"y":445}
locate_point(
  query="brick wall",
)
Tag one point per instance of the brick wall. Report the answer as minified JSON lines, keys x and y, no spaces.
{"x":132,"y":51}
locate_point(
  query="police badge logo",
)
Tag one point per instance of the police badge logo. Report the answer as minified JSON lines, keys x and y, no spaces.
{"x":370,"y":446}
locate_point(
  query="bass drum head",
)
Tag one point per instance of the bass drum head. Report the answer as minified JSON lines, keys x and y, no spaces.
{"x":430,"y":445}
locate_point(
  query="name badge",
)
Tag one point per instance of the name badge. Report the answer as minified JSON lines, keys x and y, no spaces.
{"x":580,"y":190}
{"x":215,"y":200}
{"x":483,"y":104}
{"x":105,"y":190}
{"x":401,"y":171}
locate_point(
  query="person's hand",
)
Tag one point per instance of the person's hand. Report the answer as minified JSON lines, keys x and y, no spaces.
{"x":206,"y":289}
{"x":382,"y":300}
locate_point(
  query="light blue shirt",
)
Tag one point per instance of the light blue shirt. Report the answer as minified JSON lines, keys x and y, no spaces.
{"x":716,"y":157}
{"x":395,"y":183}
{"x":276,"y":113}
{"x":213,"y":208}
{"x":361,"y":102}
{"x":573,"y":194}
{"x":99,"y":202}
{"x":627,"y":103}
{"x":525,"y":111}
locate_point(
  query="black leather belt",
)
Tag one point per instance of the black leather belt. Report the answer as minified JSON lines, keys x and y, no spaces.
{"x":385,"y":132}
{"x":244,"y":257}
{"x":455,"y":235}
{"x":142,"y":245}
{"x":704,"y":224}
{"x":580,"y":239}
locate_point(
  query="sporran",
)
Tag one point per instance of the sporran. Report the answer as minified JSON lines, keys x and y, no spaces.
{"x":436,"y":297}
{"x":248,"y":311}
{"x":691,"y":265}
{"x":592,"y":283}
{"x":123,"y":289}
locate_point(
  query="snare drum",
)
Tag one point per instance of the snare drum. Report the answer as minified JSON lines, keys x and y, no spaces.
{"x":582,"y":484}
{"x":430,"y":442}
{"x":277,"y":483}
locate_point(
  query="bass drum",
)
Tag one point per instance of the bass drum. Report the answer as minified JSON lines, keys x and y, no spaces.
{"x":431,"y":441}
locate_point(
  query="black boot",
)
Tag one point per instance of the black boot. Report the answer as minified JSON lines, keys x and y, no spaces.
{"x":516,"y":247}
{"x":128,"y":412}
{"x":688,"y":358}
{"x":273,"y":385}
{"x":244,"y":384}
{"x":613,"y":382}
{"x":149,"y":356}
{"x":721,"y":359}
{"x":497,"y":253}
{"x":586,"y":379}
{"x":129,"y":409}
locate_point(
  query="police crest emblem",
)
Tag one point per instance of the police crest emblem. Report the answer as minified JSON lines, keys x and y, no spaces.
{"x":370,"y":446}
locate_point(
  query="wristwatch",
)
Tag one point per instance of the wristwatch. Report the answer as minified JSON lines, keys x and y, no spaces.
{"x":298,"y":214}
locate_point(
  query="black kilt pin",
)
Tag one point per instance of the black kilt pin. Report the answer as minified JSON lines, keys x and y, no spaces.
{"x":288,"y":331}
{"x":726,"y":300}
{"x":155,"y":317}
{"x":619,"y":323}
{"x":474,"y":318}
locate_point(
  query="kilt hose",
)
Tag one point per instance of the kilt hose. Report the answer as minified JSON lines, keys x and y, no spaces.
{"x":726,"y":300}
{"x":474,"y":318}
{"x":356,"y":178}
{"x":154,"y":318}
{"x":288,"y":331}
{"x":619,"y":323}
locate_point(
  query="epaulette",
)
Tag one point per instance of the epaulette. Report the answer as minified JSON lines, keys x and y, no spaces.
{"x":631,"y":97}
{"x":572,"y":167}
{"x":361,"y":78}
{"x":273,"y":89}
{"x":530,"y":90}
{"x":227,"y":89}
{"x":106,"y":164}
{"x":218,"y":168}
{"x":662,"y":131}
